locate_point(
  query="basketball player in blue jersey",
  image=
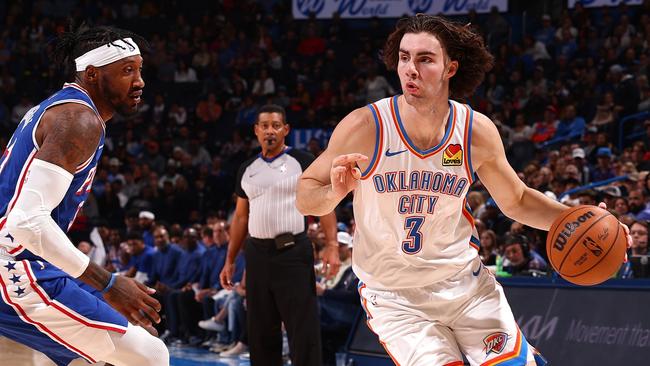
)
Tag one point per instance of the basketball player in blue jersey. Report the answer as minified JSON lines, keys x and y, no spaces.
{"x":46,"y":173}
{"x":410,"y":160}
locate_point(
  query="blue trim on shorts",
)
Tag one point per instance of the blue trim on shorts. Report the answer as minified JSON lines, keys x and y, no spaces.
{"x":522,"y":357}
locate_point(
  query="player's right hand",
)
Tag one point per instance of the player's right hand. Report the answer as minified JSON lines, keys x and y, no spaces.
{"x":226,"y":275}
{"x":134,"y":301}
{"x":345,"y":174}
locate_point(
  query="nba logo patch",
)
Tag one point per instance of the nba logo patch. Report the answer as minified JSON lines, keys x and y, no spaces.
{"x":495,"y":342}
{"x":453,"y":155}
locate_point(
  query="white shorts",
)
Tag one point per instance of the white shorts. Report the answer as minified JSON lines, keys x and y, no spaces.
{"x":435,"y":325}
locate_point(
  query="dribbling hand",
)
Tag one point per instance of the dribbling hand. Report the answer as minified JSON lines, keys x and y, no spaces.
{"x":345,"y":174}
{"x":134,"y":301}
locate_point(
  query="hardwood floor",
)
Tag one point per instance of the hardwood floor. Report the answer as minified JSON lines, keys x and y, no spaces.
{"x":16,"y":354}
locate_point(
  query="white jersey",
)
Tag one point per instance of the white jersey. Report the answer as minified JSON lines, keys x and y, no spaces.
{"x":414,"y":227}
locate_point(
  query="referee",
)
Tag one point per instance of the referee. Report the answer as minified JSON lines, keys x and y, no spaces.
{"x":280,"y":278}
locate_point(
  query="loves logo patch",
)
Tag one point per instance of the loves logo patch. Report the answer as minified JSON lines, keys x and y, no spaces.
{"x":453,"y":155}
{"x":495,"y":343}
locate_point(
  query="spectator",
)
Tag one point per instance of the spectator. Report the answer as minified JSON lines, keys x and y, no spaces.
{"x":146,"y":221}
{"x":338,"y":301}
{"x":209,"y":110}
{"x":639,"y":205}
{"x":264,"y":85}
{"x":488,"y":248}
{"x":187,"y":272}
{"x":184,"y":74}
{"x":570,"y":126}
{"x":545,"y":129}
{"x":377,"y":87}
{"x":141,"y":257}
{"x":639,"y":232}
{"x":603,"y":169}
{"x":518,"y":257}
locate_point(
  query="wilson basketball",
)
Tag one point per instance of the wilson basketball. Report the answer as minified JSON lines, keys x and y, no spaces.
{"x":586,"y":245}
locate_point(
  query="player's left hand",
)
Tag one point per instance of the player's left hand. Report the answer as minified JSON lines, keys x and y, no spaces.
{"x":626,"y":229}
{"x":330,"y":259}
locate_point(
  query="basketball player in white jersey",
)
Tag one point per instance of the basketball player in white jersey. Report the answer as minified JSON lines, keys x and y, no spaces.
{"x":410,"y":160}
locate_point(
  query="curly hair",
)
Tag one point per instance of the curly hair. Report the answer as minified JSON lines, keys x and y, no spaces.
{"x":84,"y":38}
{"x":460,"y":42}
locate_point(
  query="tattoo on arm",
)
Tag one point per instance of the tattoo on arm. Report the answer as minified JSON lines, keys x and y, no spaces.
{"x":70,"y":135}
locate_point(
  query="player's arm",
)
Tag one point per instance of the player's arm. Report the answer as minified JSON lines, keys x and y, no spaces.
{"x":68,"y":135}
{"x":238,"y":232}
{"x":336,"y":171}
{"x":514,"y":198}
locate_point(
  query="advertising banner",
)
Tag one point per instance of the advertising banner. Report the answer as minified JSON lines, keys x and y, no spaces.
{"x":583,"y":326}
{"x":597,"y":3}
{"x":300,"y":137}
{"x":323,"y":9}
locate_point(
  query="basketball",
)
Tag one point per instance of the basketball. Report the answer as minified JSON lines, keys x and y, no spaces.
{"x":586,"y":245}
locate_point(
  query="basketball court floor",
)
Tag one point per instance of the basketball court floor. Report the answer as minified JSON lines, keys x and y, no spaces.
{"x":15,"y":354}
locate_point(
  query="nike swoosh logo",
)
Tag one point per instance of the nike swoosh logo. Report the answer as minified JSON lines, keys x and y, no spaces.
{"x":475,"y":273}
{"x":389,"y":153}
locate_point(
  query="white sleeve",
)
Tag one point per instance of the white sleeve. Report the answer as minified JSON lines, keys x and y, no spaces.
{"x":30,"y":221}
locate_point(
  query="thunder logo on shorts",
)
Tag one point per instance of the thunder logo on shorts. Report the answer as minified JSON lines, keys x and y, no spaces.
{"x":495,"y":342}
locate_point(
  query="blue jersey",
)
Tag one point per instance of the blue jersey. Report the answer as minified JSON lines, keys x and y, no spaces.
{"x":20,"y":152}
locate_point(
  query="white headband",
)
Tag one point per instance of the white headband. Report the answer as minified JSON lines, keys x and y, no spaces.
{"x":108,"y":53}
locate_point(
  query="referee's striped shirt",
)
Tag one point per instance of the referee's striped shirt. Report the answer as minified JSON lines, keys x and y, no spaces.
{"x":269,"y":185}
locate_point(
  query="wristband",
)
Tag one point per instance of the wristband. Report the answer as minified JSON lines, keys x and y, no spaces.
{"x":110,"y":284}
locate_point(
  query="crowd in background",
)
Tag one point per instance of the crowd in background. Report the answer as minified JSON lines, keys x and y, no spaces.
{"x":558,"y":91}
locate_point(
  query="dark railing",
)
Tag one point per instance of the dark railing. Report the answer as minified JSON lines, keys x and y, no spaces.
{"x":635,"y":133}
{"x":593,"y":185}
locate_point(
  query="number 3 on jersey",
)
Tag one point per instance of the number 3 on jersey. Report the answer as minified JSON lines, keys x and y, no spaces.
{"x":413,"y":242}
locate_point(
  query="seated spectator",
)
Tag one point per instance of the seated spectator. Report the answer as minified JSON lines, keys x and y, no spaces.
{"x":164,"y":262}
{"x":545,"y":129}
{"x":580,"y":163}
{"x":339,"y":304}
{"x":238,"y":315}
{"x":146,"y":220}
{"x":141,"y":257}
{"x":187,"y":273}
{"x":621,"y":207}
{"x":521,"y":132}
{"x":488,"y":249}
{"x":184,"y":74}
{"x":603,"y":169}
{"x":209,"y":110}
{"x":519,"y":259}
{"x":610,"y":194}
{"x":117,"y":253}
{"x":605,"y":113}
{"x":264,"y":85}
{"x":639,"y":233}
{"x":639,"y":204}
{"x":587,"y":197}
{"x":571,"y":126}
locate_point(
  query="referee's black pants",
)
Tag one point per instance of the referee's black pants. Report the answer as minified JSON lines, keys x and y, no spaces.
{"x":281,"y":288}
